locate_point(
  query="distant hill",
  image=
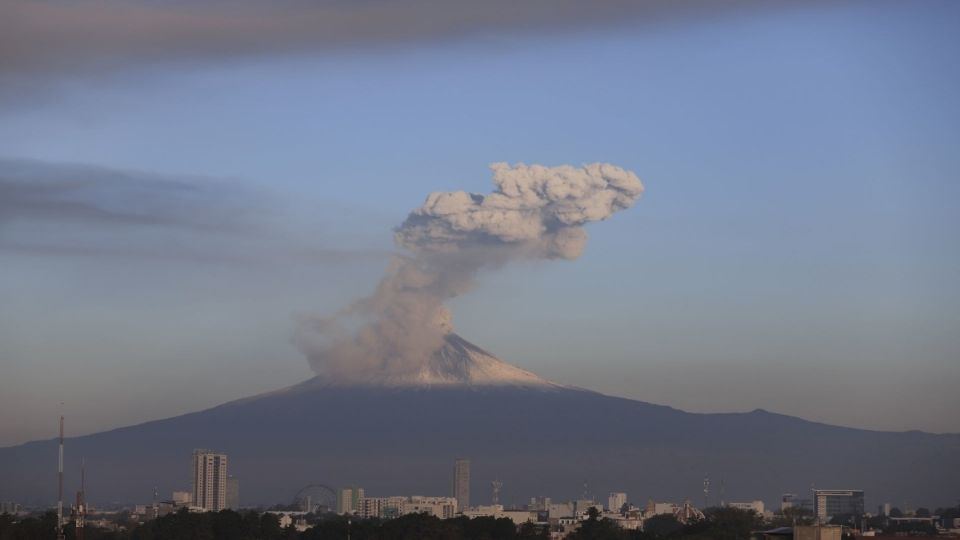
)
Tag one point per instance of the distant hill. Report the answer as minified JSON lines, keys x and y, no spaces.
{"x":539,"y":438}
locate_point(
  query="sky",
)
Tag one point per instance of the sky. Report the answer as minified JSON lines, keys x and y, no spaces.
{"x":170,"y":205}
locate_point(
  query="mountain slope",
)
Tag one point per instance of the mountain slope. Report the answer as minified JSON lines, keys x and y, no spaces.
{"x":539,"y":438}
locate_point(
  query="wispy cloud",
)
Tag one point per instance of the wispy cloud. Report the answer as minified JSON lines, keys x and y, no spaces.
{"x":63,"y":35}
{"x":69,"y":209}
{"x":79,"y":193}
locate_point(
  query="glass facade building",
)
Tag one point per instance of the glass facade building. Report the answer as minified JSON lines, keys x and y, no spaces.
{"x":828,"y":503}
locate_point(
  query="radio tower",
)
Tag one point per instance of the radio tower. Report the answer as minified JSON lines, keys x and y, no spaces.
{"x":496,"y":484}
{"x":81,"y":511}
{"x":706,"y":491}
{"x":60,"y":486}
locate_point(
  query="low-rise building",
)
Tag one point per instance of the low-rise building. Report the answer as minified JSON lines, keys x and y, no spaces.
{"x":497,"y":511}
{"x":391,"y":507}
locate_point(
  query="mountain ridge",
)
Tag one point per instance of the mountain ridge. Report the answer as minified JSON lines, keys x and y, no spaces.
{"x":540,"y":439}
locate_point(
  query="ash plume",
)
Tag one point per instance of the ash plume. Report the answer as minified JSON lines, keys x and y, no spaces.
{"x":535,"y":212}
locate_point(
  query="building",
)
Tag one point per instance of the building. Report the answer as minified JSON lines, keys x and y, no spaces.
{"x":837,"y":502}
{"x":539,"y":504}
{"x":461,"y":483}
{"x":518,"y":517}
{"x":615,"y":501}
{"x":9,"y":507}
{"x":391,"y":507}
{"x":380,"y":507}
{"x":209,"y":480}
{"x":233,"y":493}
{"x":348,"y":500}
{"x":582,"y":506}
{"x":560,"y":510}
{"x":182,"y":498}
{"x":684,"y":513}
{"x":442,"y":507}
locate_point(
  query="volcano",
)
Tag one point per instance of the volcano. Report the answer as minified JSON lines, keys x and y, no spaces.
{"x":400,"y":434}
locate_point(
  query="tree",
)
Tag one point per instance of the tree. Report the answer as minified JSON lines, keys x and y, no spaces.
{"x":661,"y":526}
{"x":532,"y":531}
{"x":731,"y":523}
{"x":794,"y":515}
{"x":596,"y":528}
{"x":922,"y":512}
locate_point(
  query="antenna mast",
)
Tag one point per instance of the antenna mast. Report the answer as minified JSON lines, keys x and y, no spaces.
{"x":706,"y":491}
{"x":81,"y":510}
{"x":60,"y":486}
{"x":496,"y":484}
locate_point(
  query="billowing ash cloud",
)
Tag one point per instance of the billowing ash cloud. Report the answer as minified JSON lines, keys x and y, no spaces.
{"x":535,"y":212}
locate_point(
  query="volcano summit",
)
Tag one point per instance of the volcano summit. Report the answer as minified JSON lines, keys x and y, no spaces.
{"x":456,"y":362}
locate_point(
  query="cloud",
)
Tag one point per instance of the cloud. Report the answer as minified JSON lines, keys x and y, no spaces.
{"x":80,"y":210}
{"x":534,"y":212}
{"x":38,"y":37}
{"x":37,"y":191}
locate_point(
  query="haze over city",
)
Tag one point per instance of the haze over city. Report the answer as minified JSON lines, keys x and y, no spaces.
{"x":767,"y":192}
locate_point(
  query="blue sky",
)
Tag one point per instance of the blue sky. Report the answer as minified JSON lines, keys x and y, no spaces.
{"x":795,"y":249}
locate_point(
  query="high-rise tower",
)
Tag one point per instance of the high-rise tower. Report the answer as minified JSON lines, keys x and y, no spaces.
{"x":209,"y":480}
{"x":461,"y":483}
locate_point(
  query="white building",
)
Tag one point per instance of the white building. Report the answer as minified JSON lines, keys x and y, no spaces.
{"x":615,"y":501}
{"x":348,"y":500}
{"x":379,"y":507}
{"x":390,"y":507}
{"x":442,"y":507}
{"x":560,"y":510}
{"x":182,"y":498}
{"x":518,"y":517}
{"x":209,"y":480}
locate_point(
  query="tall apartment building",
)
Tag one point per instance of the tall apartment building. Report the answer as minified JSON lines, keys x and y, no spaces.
{"x":616,"y":500}
{"x":837,"y":502}
{"x":209,"y":480}
{"x":348,"y":500}
{"x":461,"y":483}
{"x":9,"y":507}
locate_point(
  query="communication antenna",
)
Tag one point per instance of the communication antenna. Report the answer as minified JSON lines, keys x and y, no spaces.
{"x":81,"y":510}
{"x":496,"y":485}
{"x":156,"y":507}
{"x":706,"y":490}
{"x":60,"y":484}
